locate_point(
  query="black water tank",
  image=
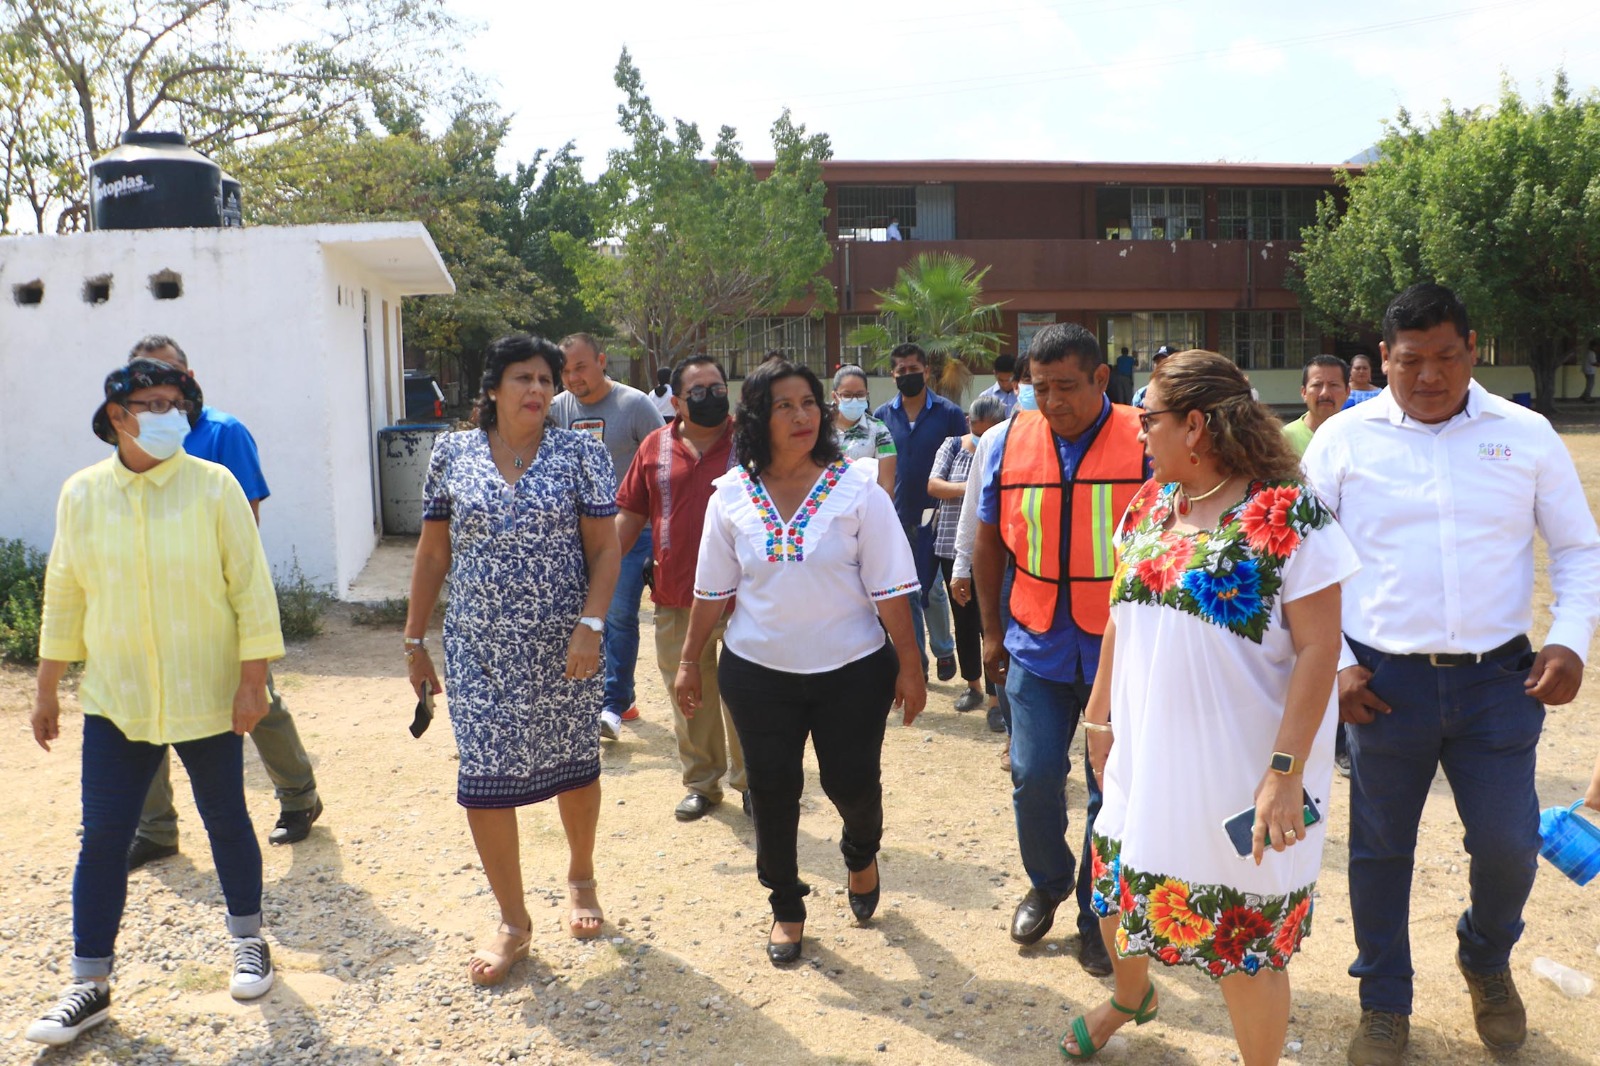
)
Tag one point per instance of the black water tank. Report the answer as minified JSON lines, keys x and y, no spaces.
{"x":154,"y":181}
{"x":232,"y":202}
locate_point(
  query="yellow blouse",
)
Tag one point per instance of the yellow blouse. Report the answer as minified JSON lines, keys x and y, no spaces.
{"x":159,"y":584}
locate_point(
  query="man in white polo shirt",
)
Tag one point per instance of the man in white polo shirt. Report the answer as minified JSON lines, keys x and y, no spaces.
{"x":1441,"y":486}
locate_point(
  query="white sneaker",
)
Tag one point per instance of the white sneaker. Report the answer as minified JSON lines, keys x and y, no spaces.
{"x":610,"y":724}
{"x":252,"y":968}
{"x":83,"y":1005}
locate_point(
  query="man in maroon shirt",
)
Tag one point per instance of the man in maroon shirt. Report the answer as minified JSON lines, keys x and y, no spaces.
{"x":669,"y":484}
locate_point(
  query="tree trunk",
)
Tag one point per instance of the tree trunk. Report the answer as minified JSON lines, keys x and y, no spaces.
{"x":1545,"y":361}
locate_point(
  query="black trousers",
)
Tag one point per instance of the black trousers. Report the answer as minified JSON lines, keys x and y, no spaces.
{"x":844,"y":712}
{"x":969,"y":627}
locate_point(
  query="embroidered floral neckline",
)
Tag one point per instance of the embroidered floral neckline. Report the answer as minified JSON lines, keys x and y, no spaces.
{"x":786,"y":542}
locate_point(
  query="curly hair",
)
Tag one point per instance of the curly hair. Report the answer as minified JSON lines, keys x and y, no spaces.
{"x":752,"y":442}
{"x":501,"y":353}
{"x":1246,"y":436}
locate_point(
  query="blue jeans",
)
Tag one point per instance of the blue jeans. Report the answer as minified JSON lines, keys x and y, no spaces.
{"x":934,"y":638}
{"x":622,"y":627}
{"x":116,"y":776}
{"x":941,"y":640}
{"x":1044,"y":715}
{"x":1479,"y":724}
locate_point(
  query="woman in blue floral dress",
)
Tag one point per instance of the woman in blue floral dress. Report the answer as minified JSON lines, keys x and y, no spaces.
{"x":520,"y":516}
{"x":1217,"y":676}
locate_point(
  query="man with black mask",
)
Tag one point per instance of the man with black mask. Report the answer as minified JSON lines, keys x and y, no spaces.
{"x":668,"y":485}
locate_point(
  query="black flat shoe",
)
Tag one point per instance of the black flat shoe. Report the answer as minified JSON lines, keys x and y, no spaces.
{"x":144,"y":850}
{"x":1033,"y":917}
{"x":1092,"y":955}
{"x":294,"y":826}
{"x":784,"y":954}
{"x":864,"y":904}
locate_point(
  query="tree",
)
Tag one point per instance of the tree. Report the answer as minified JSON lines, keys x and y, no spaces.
{"x":700,"y":244}
{"x":1502,"y":206}
{"x":200,"y":66}
{"x":937,"y":302}
{"x":548,"y":205}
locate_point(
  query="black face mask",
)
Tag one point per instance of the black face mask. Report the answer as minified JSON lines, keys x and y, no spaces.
{"x":711,"y":411}
{"x":911,"y":384}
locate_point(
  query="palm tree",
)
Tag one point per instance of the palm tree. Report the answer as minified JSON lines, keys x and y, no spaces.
{"x":937,"y":301}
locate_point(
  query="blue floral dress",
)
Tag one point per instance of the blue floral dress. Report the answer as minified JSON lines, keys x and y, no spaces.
{"x":1198,"y":687}
{"x":518,"y":580}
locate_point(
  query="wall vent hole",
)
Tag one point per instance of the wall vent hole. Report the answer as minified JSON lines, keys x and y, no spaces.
{"x":167,"y":285}
{"x":29,"y":294}
{"x":97,"y":290}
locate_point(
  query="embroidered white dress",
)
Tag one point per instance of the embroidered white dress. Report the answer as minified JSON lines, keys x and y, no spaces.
{"x":1198,"y":687}
{"x":807,"y":585}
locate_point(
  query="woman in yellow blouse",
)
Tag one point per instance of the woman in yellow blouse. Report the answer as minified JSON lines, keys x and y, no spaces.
{"x":157,"y":582}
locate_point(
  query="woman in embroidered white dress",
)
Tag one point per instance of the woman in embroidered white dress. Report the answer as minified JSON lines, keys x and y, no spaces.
{"x":814,"y":552}
{"x":1217,"y":675}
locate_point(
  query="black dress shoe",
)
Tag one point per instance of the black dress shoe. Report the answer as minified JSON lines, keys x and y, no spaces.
{"x":1092,"y":954}
{"x":692,"y":807}
{"x":1034,"y":916}
{"x":747,"y":812}
{"x":864,"y":904}
{"x":144,"y":850}
{"x":294,"y":826}
{"x":784,"y":954}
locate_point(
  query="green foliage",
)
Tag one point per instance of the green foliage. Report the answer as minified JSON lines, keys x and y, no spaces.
{"x":1502,"y":206}
{"x":700,"y":243}
{"x":300,"y":603}
{"x":936,"y":301}
{"x":387,"y":614}
{"x":225,"y":72}
{"x":21,"y":596}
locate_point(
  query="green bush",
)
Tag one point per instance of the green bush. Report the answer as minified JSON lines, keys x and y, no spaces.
{"x":21,"y":593}
{"x":300,"y":603}
{"x":388,"y":613}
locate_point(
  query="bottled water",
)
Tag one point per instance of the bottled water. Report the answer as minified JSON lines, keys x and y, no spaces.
{"x":1570,"y":981}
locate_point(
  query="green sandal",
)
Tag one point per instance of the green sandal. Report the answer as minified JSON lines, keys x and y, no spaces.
{"x":1079,"y":1031}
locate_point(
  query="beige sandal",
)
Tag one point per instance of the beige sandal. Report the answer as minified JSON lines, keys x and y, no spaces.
{"x":578,"y":914}
{"x":499,"y":966}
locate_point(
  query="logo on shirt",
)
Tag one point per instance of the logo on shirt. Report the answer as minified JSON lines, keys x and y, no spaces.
{"x":595,"y":427}
{"x":1494,"y":451}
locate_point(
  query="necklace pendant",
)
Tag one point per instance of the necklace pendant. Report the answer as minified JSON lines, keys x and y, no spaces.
{"x":516,"y":461}
{"x":1184,"y":507}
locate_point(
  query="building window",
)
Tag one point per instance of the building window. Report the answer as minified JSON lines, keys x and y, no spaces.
{"x":1269,"y":340}
{"x":860,"y":354}
{"x":799,"y":337}
{"x":1142,"y":332}
{"x":1150,"y":213}
{"x":1266,"y":214}
{"x":865,"y":211}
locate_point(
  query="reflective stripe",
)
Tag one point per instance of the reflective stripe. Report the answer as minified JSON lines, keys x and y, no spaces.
{"x":1100,"y":520}
{"x":1032,"y":509}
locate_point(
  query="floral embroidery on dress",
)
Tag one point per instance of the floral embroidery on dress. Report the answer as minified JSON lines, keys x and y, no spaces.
{"x":1229,"y":576}
{"x":1215,"y":928}
{"x":786,"y":543}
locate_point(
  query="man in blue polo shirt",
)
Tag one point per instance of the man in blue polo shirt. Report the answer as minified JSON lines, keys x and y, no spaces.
{"x":223,"y":439}
{"x":920,"y":420}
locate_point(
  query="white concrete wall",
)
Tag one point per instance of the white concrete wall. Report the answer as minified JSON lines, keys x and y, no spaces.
{"x":272,"y":326}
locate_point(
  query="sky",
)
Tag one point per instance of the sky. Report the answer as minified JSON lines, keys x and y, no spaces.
{"x":1089,"y":80}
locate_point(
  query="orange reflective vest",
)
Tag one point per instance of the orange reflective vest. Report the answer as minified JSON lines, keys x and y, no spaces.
{"x":1038,"y":508}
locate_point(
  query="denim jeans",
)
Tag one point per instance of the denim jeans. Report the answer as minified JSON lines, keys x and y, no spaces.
{"x":1479,"y":724}
{"x":844,"y":712}
{"x":284,"y":757}
{"x":622,"y":627}
{"x":941,"y":641}
{"x":1044,"y":716}
{"x":932,"y":636}
{"x":116,"y":777}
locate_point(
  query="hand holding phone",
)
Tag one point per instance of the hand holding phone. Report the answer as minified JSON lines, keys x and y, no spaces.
{"x":424,"y":715}
{"x":1241,"y":827}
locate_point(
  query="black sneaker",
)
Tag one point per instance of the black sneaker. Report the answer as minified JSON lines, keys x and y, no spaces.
{"x":84,"y":1005}
{"x":997,"y":721}
{"x":970,"y":700}
{"x":947,"y":667}
{"x":144,"y":850}
{"x":252,"y":968}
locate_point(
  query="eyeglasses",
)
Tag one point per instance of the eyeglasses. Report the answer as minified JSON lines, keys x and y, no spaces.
{"x":158,"y":407}
{"x":1144,"y":419}
{"x":700,"y":392}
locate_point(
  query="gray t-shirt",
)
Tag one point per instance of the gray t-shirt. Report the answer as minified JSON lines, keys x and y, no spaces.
{"x":620,"y":421}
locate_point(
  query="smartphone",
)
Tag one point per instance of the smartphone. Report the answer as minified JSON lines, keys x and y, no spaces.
{"x":424,"y":714}
{"x":1240,"y":825}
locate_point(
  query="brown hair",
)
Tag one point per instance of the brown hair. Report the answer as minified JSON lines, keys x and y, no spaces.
{"x":1246,"y":437}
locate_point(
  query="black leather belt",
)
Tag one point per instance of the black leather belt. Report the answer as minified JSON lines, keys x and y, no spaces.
{"x":1515,"y":646}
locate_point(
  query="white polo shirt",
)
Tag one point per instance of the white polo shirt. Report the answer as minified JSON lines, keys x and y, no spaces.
{"x":1443,"y":518}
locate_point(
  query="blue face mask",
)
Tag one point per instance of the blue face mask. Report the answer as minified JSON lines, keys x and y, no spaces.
{"x":1025,"y":400}
{"x":853,"y":407}
{"x":160,"y":436}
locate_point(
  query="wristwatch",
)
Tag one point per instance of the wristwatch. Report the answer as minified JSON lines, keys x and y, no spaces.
{"x":1285,"y":764}
{"x":596,"y":624}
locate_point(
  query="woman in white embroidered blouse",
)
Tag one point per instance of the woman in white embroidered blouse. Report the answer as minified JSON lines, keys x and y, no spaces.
{"x":804,"y":652}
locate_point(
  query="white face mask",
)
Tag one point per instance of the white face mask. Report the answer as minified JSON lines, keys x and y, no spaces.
{"x":853,"y":407}
{"x":160,"y":436}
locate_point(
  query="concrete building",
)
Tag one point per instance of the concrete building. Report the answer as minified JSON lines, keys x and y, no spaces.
{"x":1192,"y":255}
{"x":296,"y":330}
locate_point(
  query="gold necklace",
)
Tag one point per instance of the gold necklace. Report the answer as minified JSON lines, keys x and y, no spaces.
{"x":516,"y":457}
{"x":1186,"y":502}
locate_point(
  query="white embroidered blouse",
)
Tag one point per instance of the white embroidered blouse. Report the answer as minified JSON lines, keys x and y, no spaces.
{"x":807,"y":585}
